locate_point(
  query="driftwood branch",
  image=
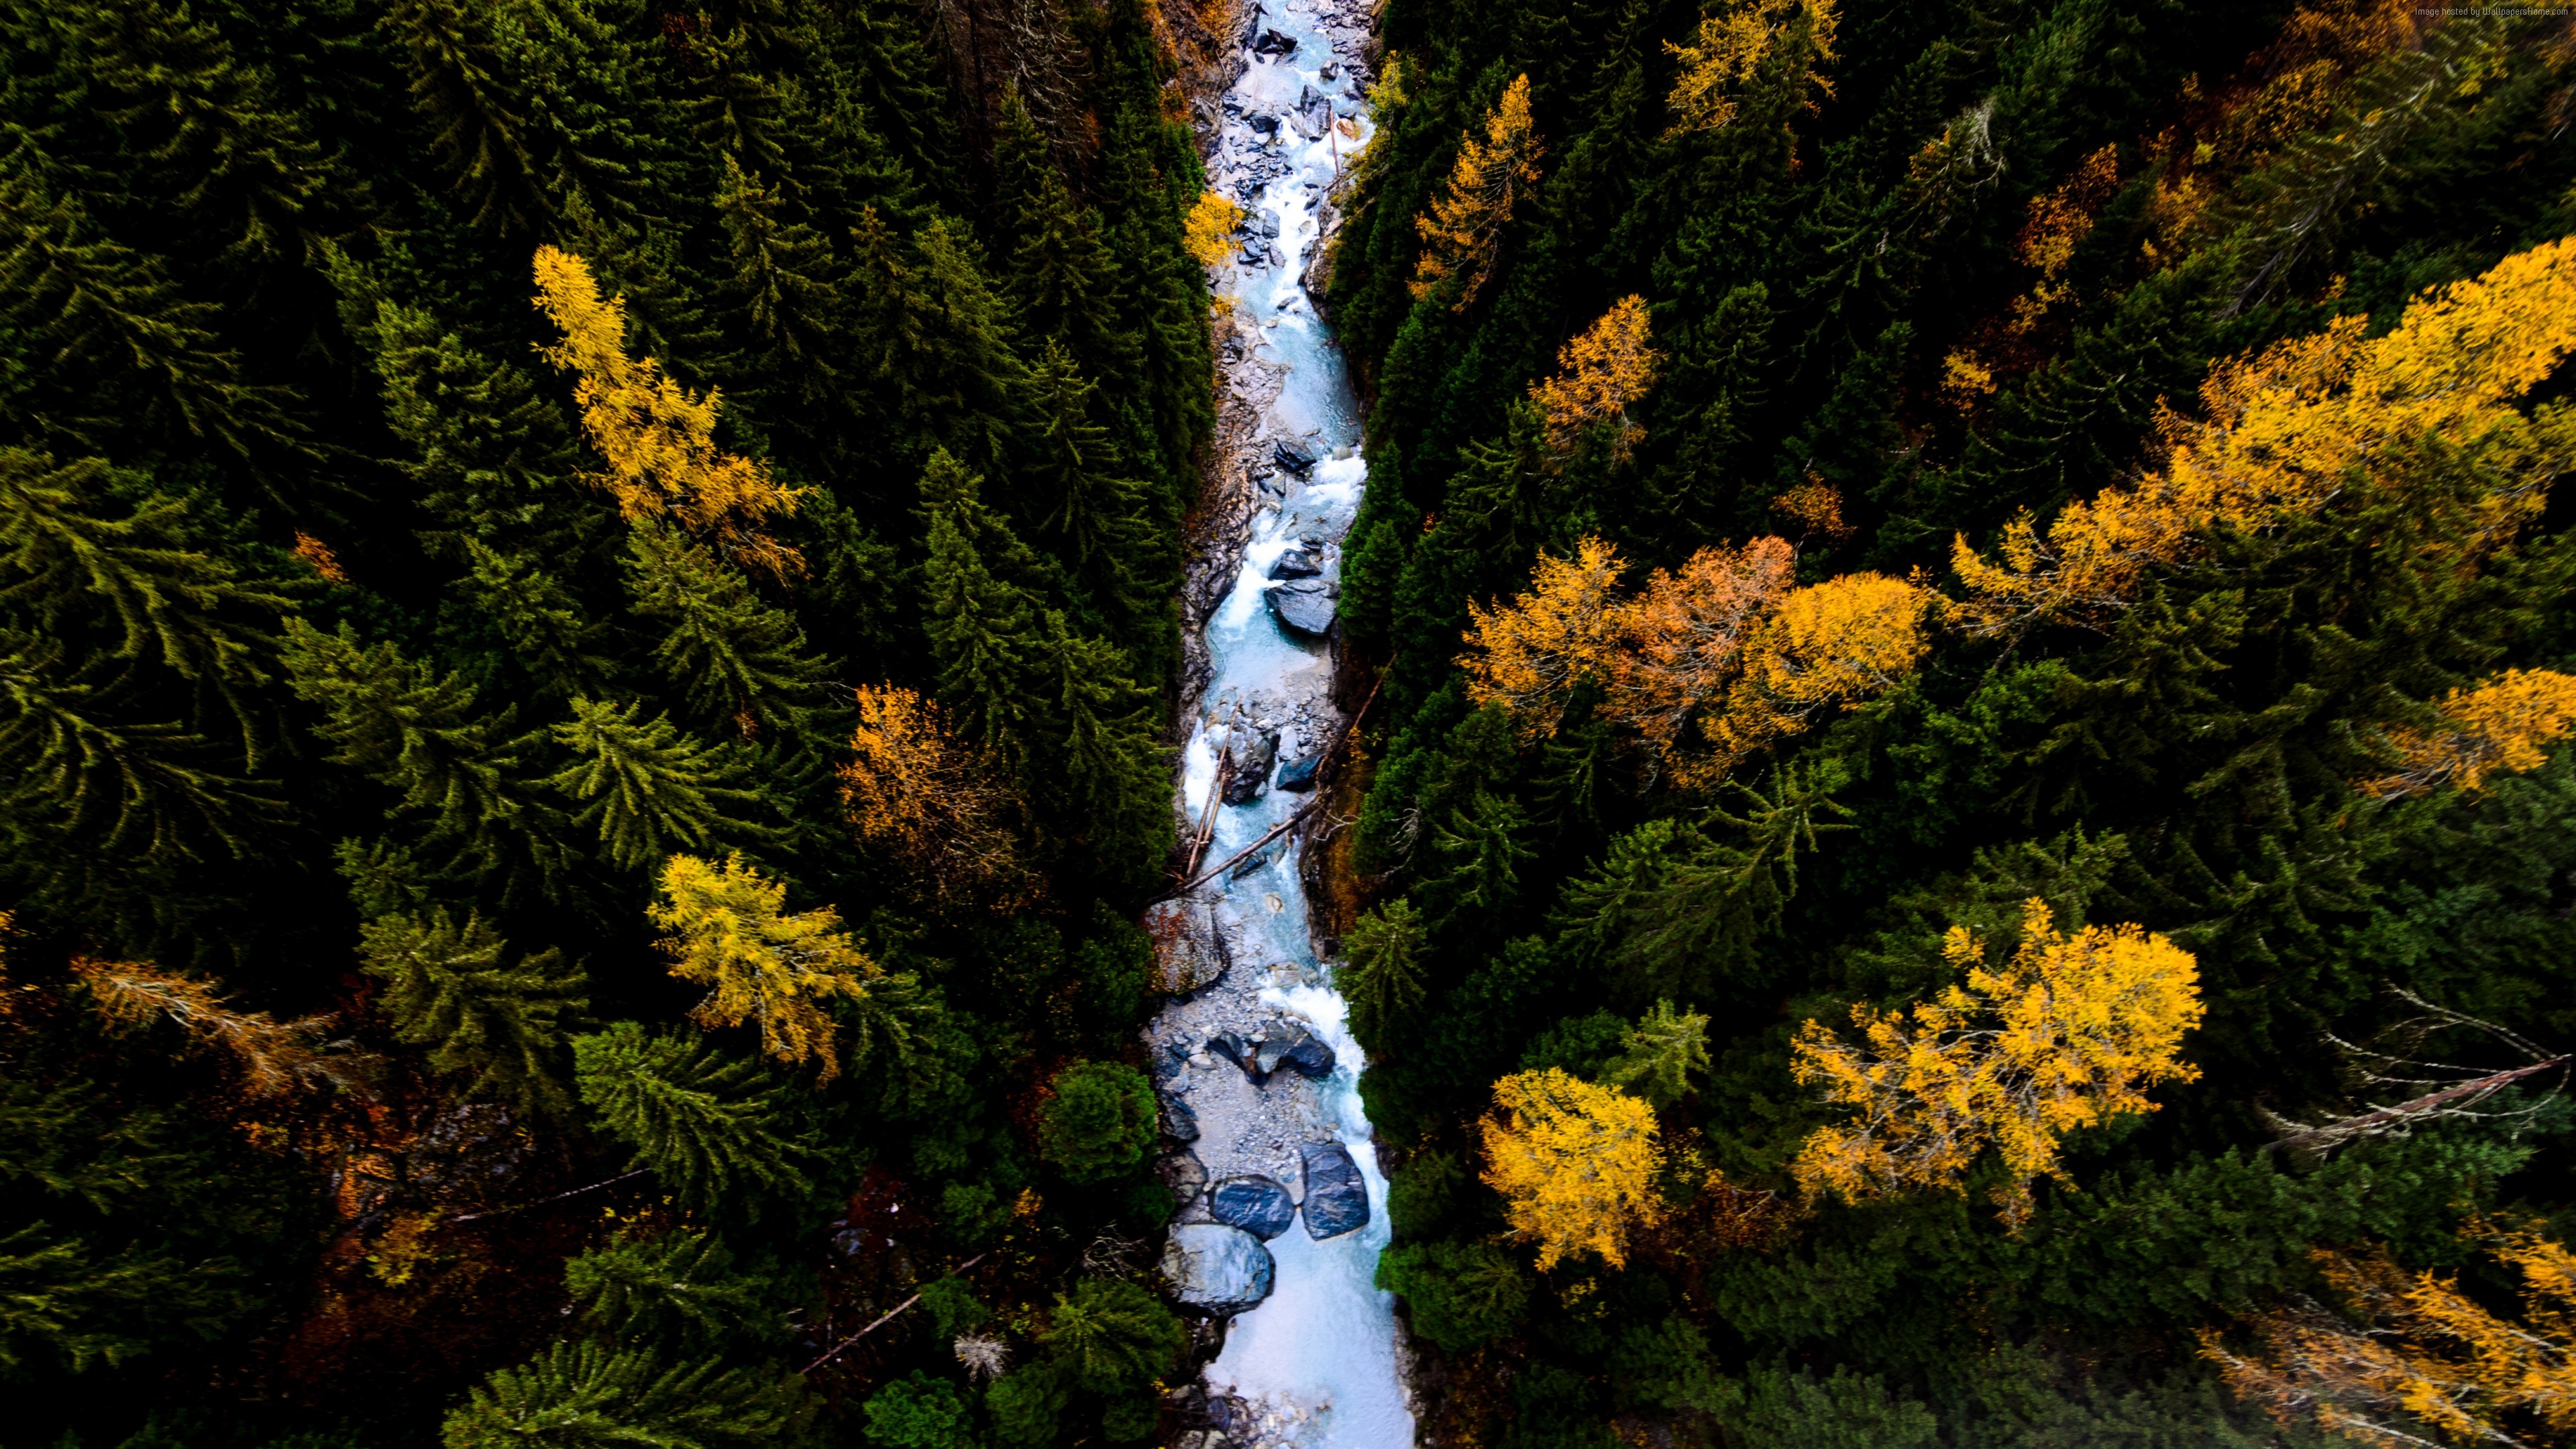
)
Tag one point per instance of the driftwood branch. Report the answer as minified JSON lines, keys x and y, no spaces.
{"x":882,"y":1320}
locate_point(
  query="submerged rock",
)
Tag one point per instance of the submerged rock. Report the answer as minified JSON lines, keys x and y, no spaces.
{"x":1336,"y":1194}
{"x":1304,"y":605}
{"x":1217,"y":1268}
{"x":1257,"y":1205}
{"x":1292,"y":459}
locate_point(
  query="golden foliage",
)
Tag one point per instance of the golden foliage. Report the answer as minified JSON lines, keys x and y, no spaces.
{"x":657,"y":438}
{"x":1529,"y":653}
{"x":730,"y":931}
{"x":2062,"y":1037}
{"x":1831,"y":645}
{"x":911,"y":787}
{"x":1600,"y":375}
{"x":1575,"y":1164}
{"x":318,"y":557}
{"x":1815,"y":506}
{"x":2498,"y":726}
{"x":2290,"y":429}
{"x":1684,"y":636}
{"x":274,"y":1055}
{"x":1462,"y":234}
{"x":2423,"y":1353}
{"x":1208,"y":232}
{"x":1723,"y":640}
{"x":1729,"y":47}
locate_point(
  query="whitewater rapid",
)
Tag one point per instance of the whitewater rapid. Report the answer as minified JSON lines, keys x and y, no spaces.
{"x":1315,"y":1365}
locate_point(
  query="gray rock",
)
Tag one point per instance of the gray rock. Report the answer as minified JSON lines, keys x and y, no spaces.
{"x":1189,"y":951}
{"x":1296,"y":564}
{"x":1179,"y":1122}
{"x":1299,"y":775}
{"x":1298,"y":1050}
{"x":1293,"y":459}
{"x":1252,"y":770}
{"x":1304,"y":605}
{"x":1336,"y":1194}
{"x":1186,"y":1176}
{"x":1255,"y":1204}
{"x":1274,"y":43}
{"x":1216,"y":1268}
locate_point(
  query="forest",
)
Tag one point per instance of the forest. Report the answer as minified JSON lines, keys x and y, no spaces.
{"x":1960,"y":832}
{"x":1964,"y":840}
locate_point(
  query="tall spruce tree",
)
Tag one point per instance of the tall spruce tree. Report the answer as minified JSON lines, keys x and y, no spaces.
{"x":714,"y":1130}
{"x":496,"y":1025}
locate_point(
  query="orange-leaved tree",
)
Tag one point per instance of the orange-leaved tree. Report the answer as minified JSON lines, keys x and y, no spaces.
{"x":2307,"y":420}
{"x":1208,"y":232}
{"x":1732,"y":44}
{"x":2497,"y":727}
{"x":1462,"y":233}
{"x":1830,"y":646}
{"x":730,"y":931}
{"x":1600,"y":375}
{"x":1575,"y":1164}
{"x":2063,"y":1036}
{"x":657,"y":437}
{"x":1530,"y":652}
{"x":1686,"y":631}
{"x":911,"y":786}
{"x":274,"y":1055}
{"x":2411,"y":1353}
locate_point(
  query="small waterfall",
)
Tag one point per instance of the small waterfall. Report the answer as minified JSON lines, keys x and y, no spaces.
{"x":1314,"y":1363}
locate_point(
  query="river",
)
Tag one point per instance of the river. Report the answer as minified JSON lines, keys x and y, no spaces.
{"x":1316,"y":1363}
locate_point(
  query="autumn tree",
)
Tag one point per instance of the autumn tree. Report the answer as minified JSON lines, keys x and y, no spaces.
{"x":495,"y":1024}
{"x":2411,"y":1355}
{"x":1462,"y":233}
{"x":274,"y":1056}
{"x":1600,"y":376}
{"x":657,"y":437}
{"x":1732,"y":44}
{"x":912,"y":787}
{"x":730,"y":931}
{"x":2062,"y":1037}
{"x":1684,"y":636}
{"x":1575,"y":1164}
{"x":1831,"y":646}
{"x":2294,"y":427}
{"x":1208,"y":231}
{"x":2497,"y":727}
{"x":1529,"y":653}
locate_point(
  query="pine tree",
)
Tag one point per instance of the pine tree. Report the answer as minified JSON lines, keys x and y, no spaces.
{"x":583,"y":1394}
{"x":737,"y":659}
{"x":1112,"y":1335}
{"x":459,"y":79}
{"x":499,"y":1027}
{"x":1659,"y":1055}
{"x":1110,"y":784}
{"x":783,"y":279}
{"x":715,"y":1131}
{"x":1060,"y":274}
{"x":393,"y":721}
{"x":544,"y":626}
{"x":1383,"y":977}
{"x":121,"y":343}
{"x":680,"y":1292}
{"x":735,"y":110}
{"x":982,"y":629}
{"x":648,"y":790}
{"x":938,"y":342}
{"x":1070,"y":478}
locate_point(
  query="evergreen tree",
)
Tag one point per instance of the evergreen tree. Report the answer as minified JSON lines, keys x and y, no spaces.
{"x":648,"y":790}
{"x":715,"y":1131}
{"x":538,"y":618}
{"x":592,"y":1397}
{"x":499,"y":1027}
{"x":736,"y":659}
{"x":982,"y":629}
{"x":480,"y":131}
{"x":680,"y":1292}
{"x":1060,"y":274}
{"x":783,"y":280}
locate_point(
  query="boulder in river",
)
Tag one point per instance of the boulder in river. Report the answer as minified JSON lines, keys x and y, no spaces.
{"x":1299,"y":775}
{"x":1295,"y":1048}
{"x":1293,"y":459}
{"x":1255,"y":1204}
{"x":1216,"y":1268}
{"x":1189,"y":951}
{"x":1186,"y":1176}
{"x":1271,"y":42}
{"x":1336,"y":1194}
{"x":1179,"y":1122}
{"x":1252,"y":769}
{"x":1304,"y":605}
{"x":1296,"y":563}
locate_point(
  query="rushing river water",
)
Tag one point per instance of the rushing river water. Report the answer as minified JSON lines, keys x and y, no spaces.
{"x":1315,"y":1363}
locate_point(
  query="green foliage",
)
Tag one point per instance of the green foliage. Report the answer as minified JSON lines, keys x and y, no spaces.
{"x":1382,"y":979}
{"x":714,"y":1130}
{"x":498,"y":1026}
{"x":1659,"y":1055}
{"x":919,"y":1413}
{"x":650,"y":791}
{"x":1110,"y":1335}
{"x":1098,"y":1124}
{"x":679,"y":1292}
{"x":1458,"y":1295}
{"x":584,"y":1394}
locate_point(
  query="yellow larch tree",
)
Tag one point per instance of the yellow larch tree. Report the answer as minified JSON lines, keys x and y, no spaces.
{"x":2499,"y":726}
{"x":1462,"y":233}
{"x":2410,"y":1352}
{"x":2288,"y":430}
{"x":1529,"y":652}
{"x":1600,"y":375}
{"x":1208,"y":232}
{"x":657,"y":437}
{"x":2065,"y":1035}
{"x":1684,"y":635}
{"x":1831,"y":645}
{"x":1731,"y":45}
{"x":911,"y":786}
{"x":730,"y":931}
{"x":1575,"y":1164}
